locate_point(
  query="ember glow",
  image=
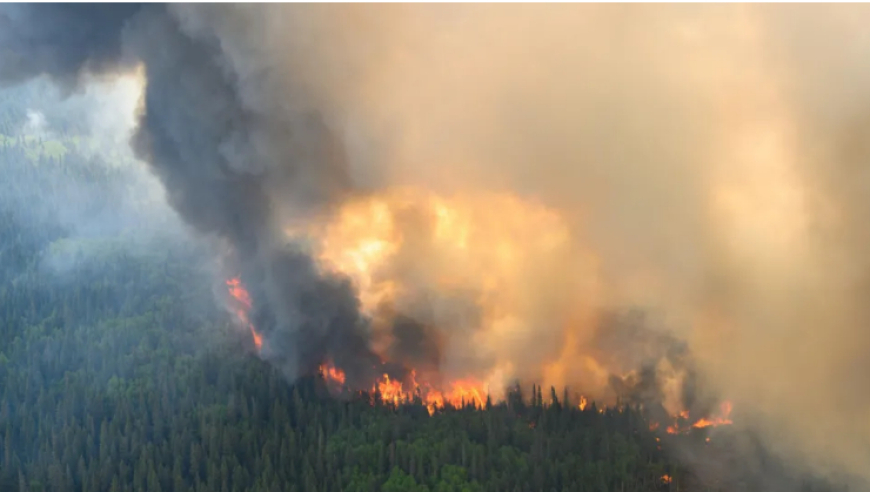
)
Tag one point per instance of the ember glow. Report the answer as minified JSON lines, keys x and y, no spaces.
{"x":243,"y":306}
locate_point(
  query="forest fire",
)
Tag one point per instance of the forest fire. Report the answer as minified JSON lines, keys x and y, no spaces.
{"x":715,"y":421}
{"x":478,"y":242}
{"x":243,"y":299}
{"x":434,"y":274}
{"x":333,"y":375}
{"x":468,"y":269}
{"x":461,"y":393}
{"x":396,"y":392}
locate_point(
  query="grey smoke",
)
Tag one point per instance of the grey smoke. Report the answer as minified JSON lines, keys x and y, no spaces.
{"x":711,"y":156}
{"x":80,"y":194}
{"x":61,"y":40}
{"x":217,"y":130}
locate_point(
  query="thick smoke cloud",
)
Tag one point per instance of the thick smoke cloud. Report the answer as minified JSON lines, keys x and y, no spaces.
{"x":707,"y":160}
{"x":217,"y":133}
{"x":63,"y":41}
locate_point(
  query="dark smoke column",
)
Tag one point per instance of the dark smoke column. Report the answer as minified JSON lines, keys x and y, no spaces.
{"x":217,"y":129}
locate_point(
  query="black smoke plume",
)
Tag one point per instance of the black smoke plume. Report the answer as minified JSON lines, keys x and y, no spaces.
{"x":219,"y":137}
{"x":62,"y":41}
{"x":709,"y":158}
{"x":236,"y":141}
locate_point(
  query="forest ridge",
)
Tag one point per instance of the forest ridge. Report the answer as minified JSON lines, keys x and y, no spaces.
{"x":118,"y":372}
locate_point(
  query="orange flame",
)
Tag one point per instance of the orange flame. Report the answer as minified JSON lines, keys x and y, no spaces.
{"x":486,"y":244}
{"x":395,"y":392}
{"x":483,"y":244}
{"x":716,"y":421}
{"x":332,"y":374}
{"x":240,"y":294}
{"x":466,"y":392}
{"x":723,"y":419}
{"x":256,"y":337}
{"x":390,"y":391}
{"x":667,"y":478}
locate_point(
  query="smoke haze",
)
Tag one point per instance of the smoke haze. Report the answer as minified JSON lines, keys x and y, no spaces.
{"x":76,"y":184}
{"x":702,"y":163}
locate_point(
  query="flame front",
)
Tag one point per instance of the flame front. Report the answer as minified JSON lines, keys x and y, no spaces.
{"x":394,"y":392}
{"x":459,"y":394}
{"x":243,"y":298}
{"x":492,"y":271}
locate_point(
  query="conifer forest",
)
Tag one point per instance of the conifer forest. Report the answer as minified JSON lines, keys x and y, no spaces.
{"x":434,"y":248}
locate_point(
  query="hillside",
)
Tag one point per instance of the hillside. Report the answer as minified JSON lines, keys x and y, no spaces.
{"x":119,"y":372}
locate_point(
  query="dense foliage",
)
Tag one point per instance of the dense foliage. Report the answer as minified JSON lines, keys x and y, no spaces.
{"x":118,"y":373}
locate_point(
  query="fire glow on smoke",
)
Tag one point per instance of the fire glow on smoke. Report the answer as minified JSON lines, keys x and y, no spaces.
{"x":391,"y":391}
{"x":512,"y":261}
{"x":459,"y":394}
{"x":479,"y":269}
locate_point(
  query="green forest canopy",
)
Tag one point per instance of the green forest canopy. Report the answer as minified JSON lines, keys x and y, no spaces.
{"x":117,"y":373}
